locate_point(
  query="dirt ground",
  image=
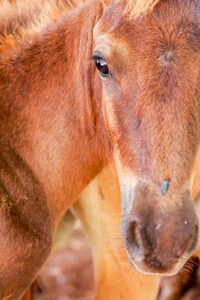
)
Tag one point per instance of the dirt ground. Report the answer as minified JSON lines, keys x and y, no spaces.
{"x":68,"y":273}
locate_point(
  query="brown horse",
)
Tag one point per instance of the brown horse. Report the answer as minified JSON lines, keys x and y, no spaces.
{"x":51,"y":144}
{"x":150,"y":67}
{"x":61,"y":125}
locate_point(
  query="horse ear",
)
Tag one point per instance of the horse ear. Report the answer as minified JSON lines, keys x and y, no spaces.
{"x":105,"y":2}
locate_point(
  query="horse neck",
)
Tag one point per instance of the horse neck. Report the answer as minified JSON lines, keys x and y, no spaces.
{"x":58,"y":130}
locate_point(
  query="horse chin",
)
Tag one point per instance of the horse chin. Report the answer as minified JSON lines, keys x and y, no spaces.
{"x":138,"y":262}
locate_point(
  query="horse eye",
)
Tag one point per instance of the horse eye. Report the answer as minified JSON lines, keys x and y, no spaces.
{"x":102,"y":66}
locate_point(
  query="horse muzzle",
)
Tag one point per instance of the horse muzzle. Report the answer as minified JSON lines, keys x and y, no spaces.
{"x":160,"y":233}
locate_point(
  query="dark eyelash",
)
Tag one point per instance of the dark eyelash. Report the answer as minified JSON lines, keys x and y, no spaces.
{"x":97,"y":56}
{"x":94,"y":57}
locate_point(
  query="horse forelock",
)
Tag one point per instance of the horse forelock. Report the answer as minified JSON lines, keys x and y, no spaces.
{"x":138,"y":8}
{"x":21,"y":20}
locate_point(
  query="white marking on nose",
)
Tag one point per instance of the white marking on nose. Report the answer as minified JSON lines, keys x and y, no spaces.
{"x":158,"y":226}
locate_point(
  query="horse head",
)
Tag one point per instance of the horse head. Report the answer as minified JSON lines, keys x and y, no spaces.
{"x":150,"y":71}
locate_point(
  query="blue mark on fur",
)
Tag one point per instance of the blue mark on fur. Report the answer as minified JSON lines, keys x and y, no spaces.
{"x":164,"y":187}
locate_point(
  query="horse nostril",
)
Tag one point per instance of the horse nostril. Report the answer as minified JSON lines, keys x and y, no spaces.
{"x":131,"y":236}
{"x":195,"y":237}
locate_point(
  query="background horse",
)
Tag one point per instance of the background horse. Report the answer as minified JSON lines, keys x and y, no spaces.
{"x":60,"y":126}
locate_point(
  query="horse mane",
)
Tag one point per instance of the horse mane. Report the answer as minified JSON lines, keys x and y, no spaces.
{"x":21,"y":19}
{"x":138,"y":8}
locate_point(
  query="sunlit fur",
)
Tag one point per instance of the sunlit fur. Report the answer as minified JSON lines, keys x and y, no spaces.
{"x":138,"y":8}
{"x":22,"y":20}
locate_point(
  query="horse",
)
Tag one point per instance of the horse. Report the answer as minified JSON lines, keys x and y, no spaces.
{"x":101,"y":83}
{"x":148,"y":109}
